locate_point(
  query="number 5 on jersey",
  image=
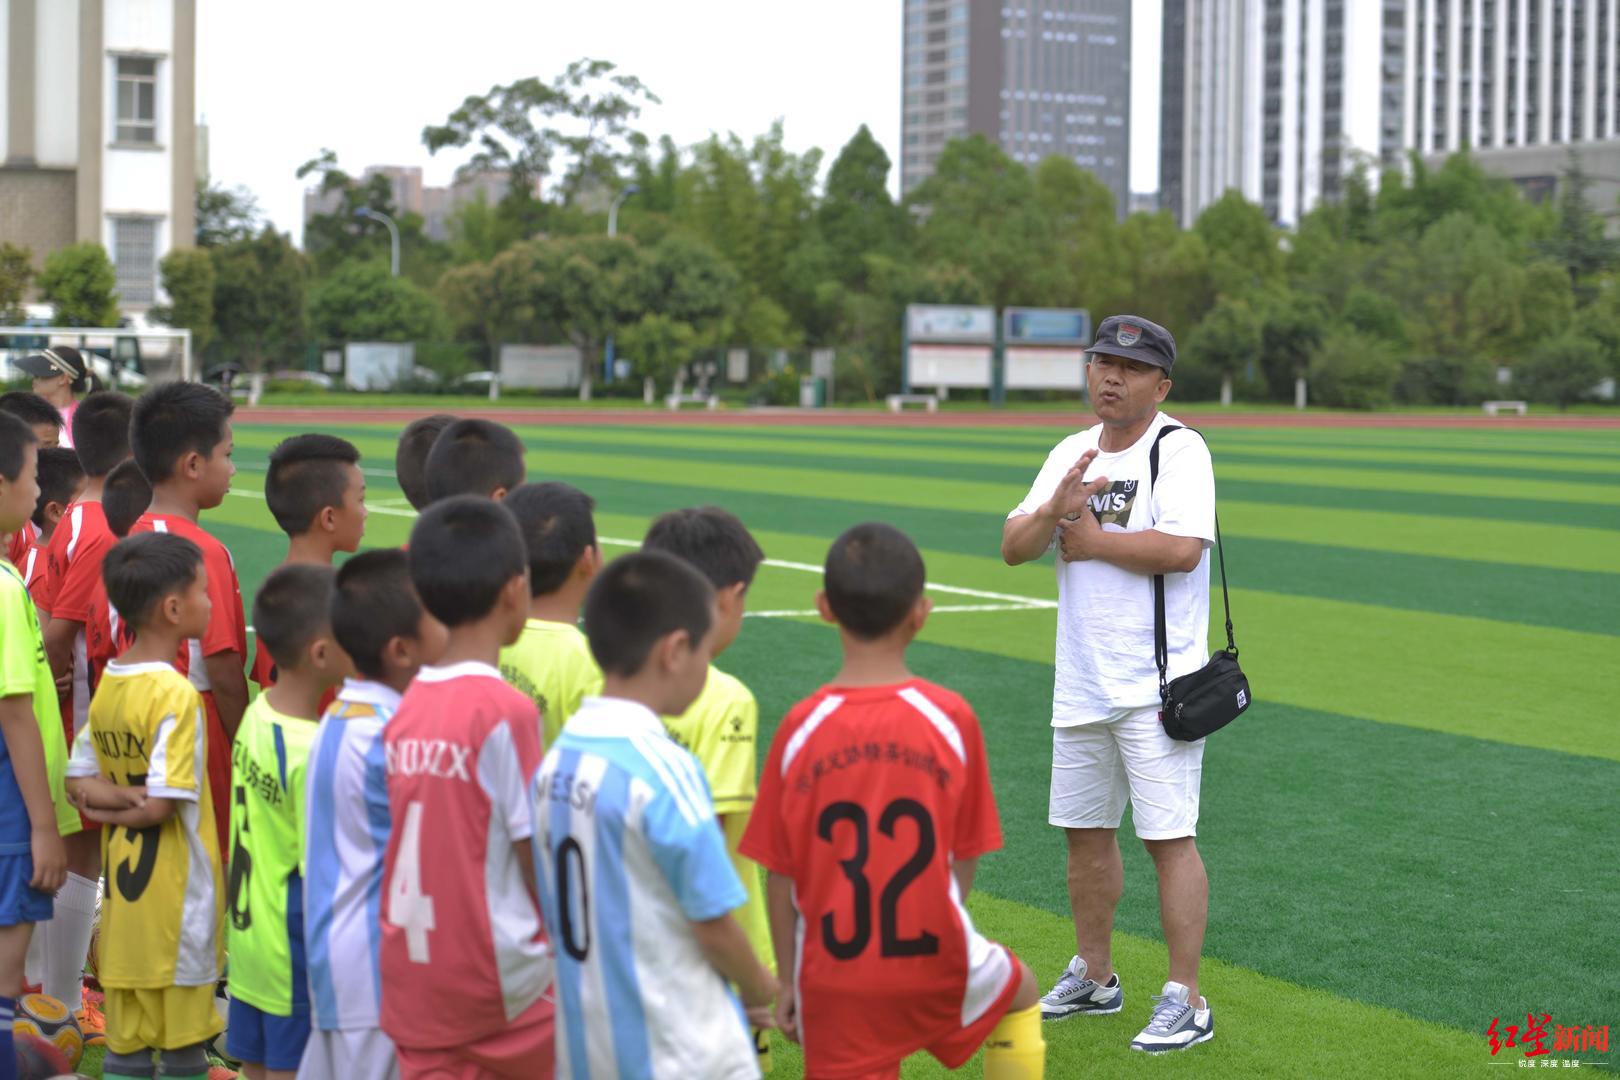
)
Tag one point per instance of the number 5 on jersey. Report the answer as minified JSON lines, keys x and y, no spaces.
{"x":410,"y":909}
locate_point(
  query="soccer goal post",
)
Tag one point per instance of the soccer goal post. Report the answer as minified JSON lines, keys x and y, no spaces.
{"x":120,"y":356}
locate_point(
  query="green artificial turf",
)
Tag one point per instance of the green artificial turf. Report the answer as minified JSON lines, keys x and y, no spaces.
{"x":1410,"y":833}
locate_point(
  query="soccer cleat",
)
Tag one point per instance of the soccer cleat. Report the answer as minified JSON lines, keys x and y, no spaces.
{"x":1176,"y":1024}
{"x":92,"y":1022}
{"x":1076,"y":995}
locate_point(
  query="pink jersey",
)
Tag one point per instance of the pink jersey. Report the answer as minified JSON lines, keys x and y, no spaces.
{"x":463,"y":954}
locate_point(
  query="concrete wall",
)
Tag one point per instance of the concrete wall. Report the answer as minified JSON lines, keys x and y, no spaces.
{"x":37,"y":209}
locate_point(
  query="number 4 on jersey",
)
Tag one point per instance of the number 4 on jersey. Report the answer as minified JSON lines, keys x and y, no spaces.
{"x":408,"y":907}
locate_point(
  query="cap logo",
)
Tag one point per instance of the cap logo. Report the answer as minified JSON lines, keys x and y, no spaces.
{"x":1128,"y":335}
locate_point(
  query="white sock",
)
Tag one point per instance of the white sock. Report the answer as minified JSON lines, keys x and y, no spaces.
{"x":74,"y":922}
{"x":34,"y":966}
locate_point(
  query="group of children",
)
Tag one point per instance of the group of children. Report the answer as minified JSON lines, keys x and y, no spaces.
{"x":494,"y":811}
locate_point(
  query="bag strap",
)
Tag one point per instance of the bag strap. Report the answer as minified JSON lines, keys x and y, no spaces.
{"x":1161,"y":643}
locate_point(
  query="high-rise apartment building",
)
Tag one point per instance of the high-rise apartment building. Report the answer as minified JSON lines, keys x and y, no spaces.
{"x":1279,"y":98}
{"x":97,"y":131}
{"x":1037,"y":77}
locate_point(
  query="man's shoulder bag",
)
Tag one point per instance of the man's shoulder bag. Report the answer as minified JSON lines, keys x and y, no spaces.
{"x":1208,"y":699}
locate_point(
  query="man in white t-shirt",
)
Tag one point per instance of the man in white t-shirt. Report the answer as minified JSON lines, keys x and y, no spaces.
{"x":1115,"y":529}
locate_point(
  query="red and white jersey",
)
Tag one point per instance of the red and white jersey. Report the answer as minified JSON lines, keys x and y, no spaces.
{"x":33,"y":572}
{"x":867,"y":797}
{"x":72,"y":587}
{"x":18,"y":543}
{"x":463,"y":954}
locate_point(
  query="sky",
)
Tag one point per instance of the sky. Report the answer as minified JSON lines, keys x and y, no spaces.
{"x":363,"y":77}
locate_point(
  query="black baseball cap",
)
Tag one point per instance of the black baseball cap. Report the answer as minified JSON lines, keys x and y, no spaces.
{"x":61,"y":360}
{"x":1135,"y":338}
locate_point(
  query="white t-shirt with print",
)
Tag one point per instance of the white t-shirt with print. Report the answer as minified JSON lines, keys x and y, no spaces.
{"x":1105,"y":665}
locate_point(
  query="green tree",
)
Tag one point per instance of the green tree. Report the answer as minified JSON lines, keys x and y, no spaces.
{"x":658,"y":347}
{"x":1577,"y":242}
{"x":188,"y":279}
{"x":1244,"y":258}
{"x":1291,"y":329}
{"x":587,"y":287}
{"x":225,"y":215}
{"x":1353,"y":370}
{"x":80,"y":281}
{"x":345,"y":236}
{"x":857,"y":217}
{"x":493,"y":302}
{"x":364,"y":302}
{"x":1561,"y":370}
{"x":1226,"y":341}
{"x":260,"y":287}
{"x":1079,"y":214}
{"x":582,"y":116}
{"x":982,"y":215}
{"x":16,"y":271}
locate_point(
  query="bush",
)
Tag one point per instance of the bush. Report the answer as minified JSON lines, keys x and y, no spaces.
{"x":1562,"y":370}
{"x":1352,"y":370}
{"x":1444,"y":380}
{"x":776,"y":388}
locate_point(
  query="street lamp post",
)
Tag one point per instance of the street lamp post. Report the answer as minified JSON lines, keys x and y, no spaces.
{"x":393,"y":232}
{"x":613,"y":230}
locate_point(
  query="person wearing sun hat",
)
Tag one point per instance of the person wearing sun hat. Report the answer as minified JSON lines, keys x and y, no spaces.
{"x":1116,"y":528}
{"x":61,"y":374}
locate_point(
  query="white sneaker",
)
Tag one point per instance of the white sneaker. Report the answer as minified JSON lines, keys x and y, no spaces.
{"x":1076,"y":995}
{"x":1176,"y":1024}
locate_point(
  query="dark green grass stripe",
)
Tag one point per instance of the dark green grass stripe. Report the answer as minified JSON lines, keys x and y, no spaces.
{"x":1392,"y":865}
{"x":1419,"y":464}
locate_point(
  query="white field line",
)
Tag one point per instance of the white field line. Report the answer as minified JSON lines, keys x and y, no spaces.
{"x":1007,"y":601}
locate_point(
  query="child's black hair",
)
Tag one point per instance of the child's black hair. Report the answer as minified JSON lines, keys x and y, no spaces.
{"x":410,"y":458}
{"x":373,"y":602}
{"x":307,"y":474}
{"x":463,"y":552}
{"x":292,"y":609}
{"x":637,"y":600}
{"x":557,"y":529}
{"x":711,"y":539}
{"x":171,"y":420}
{"x":16,"y":436}
{"x":125,"y":497}
{"x":873,"y":576}
{"x":474,"y":457}
{"x":30,"y":408}
{"x":101,"y":431}
{"x":143,"y":569}
{"x":60,"y":476}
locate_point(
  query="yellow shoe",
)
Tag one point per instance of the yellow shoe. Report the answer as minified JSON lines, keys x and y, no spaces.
{"x":92,"y":1022}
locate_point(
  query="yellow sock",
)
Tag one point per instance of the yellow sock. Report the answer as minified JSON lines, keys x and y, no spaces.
{"x":1015,"y":1049}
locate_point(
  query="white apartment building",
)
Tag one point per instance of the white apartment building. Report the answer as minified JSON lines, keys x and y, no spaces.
{"x":98,"y":131}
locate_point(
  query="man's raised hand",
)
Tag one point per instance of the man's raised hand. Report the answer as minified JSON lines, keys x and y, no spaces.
{"x":1073,"y":491}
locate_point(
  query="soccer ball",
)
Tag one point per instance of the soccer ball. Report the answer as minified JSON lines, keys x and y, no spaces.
{"x":38,"y":1059}
{"x":48,"y":1019}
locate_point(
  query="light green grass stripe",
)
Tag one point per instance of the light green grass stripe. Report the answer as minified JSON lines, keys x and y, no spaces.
{"x":1264,"y":1027}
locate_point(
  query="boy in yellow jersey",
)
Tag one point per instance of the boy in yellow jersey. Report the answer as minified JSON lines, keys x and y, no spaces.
{"x":721,"y":728}
{"x":269,"y":1021}
{"x":551,"y":662}
{"x":140,"y":768}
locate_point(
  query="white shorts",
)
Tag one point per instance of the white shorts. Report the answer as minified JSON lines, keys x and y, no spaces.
{"x":1096,"y":766}
{"x":358,"y":1054}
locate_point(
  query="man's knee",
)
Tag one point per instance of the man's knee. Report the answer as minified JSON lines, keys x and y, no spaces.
{"x":1091,"y":851}
{"x":1173,"y":851}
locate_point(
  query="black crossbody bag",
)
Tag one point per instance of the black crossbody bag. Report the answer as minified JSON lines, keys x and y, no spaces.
{"x":1206,"y":700}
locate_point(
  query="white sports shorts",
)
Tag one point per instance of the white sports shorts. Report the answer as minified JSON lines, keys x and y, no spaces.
{"x":358,"y":1054}
{"x":1096,"y":766}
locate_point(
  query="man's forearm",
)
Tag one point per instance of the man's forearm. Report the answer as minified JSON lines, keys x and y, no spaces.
{"x":727,"y":950}
{"x":228,"y":684}
{"x":1026,"y":537}
{"x":1149,"y":551}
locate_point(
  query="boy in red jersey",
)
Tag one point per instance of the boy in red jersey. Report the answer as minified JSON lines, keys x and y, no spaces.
{"x":61,"y":482}
{"x":873,"y":809}
{"x":464,"y":964}
{"x":180,"y":433}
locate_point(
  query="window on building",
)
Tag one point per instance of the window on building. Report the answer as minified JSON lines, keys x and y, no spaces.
{"x":137,"y":99}
{"x":135,"y":258}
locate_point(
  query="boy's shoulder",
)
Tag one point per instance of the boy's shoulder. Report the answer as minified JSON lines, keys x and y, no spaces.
{"x":723,"y":690}
{"x":916,"y":697}
{"x":192,"y":530}
{"x":156,"y":683}
{"x":473,"y":687}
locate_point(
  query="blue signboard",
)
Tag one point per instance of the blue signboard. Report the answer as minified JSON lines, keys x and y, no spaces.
{"x":1047,"y":326}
